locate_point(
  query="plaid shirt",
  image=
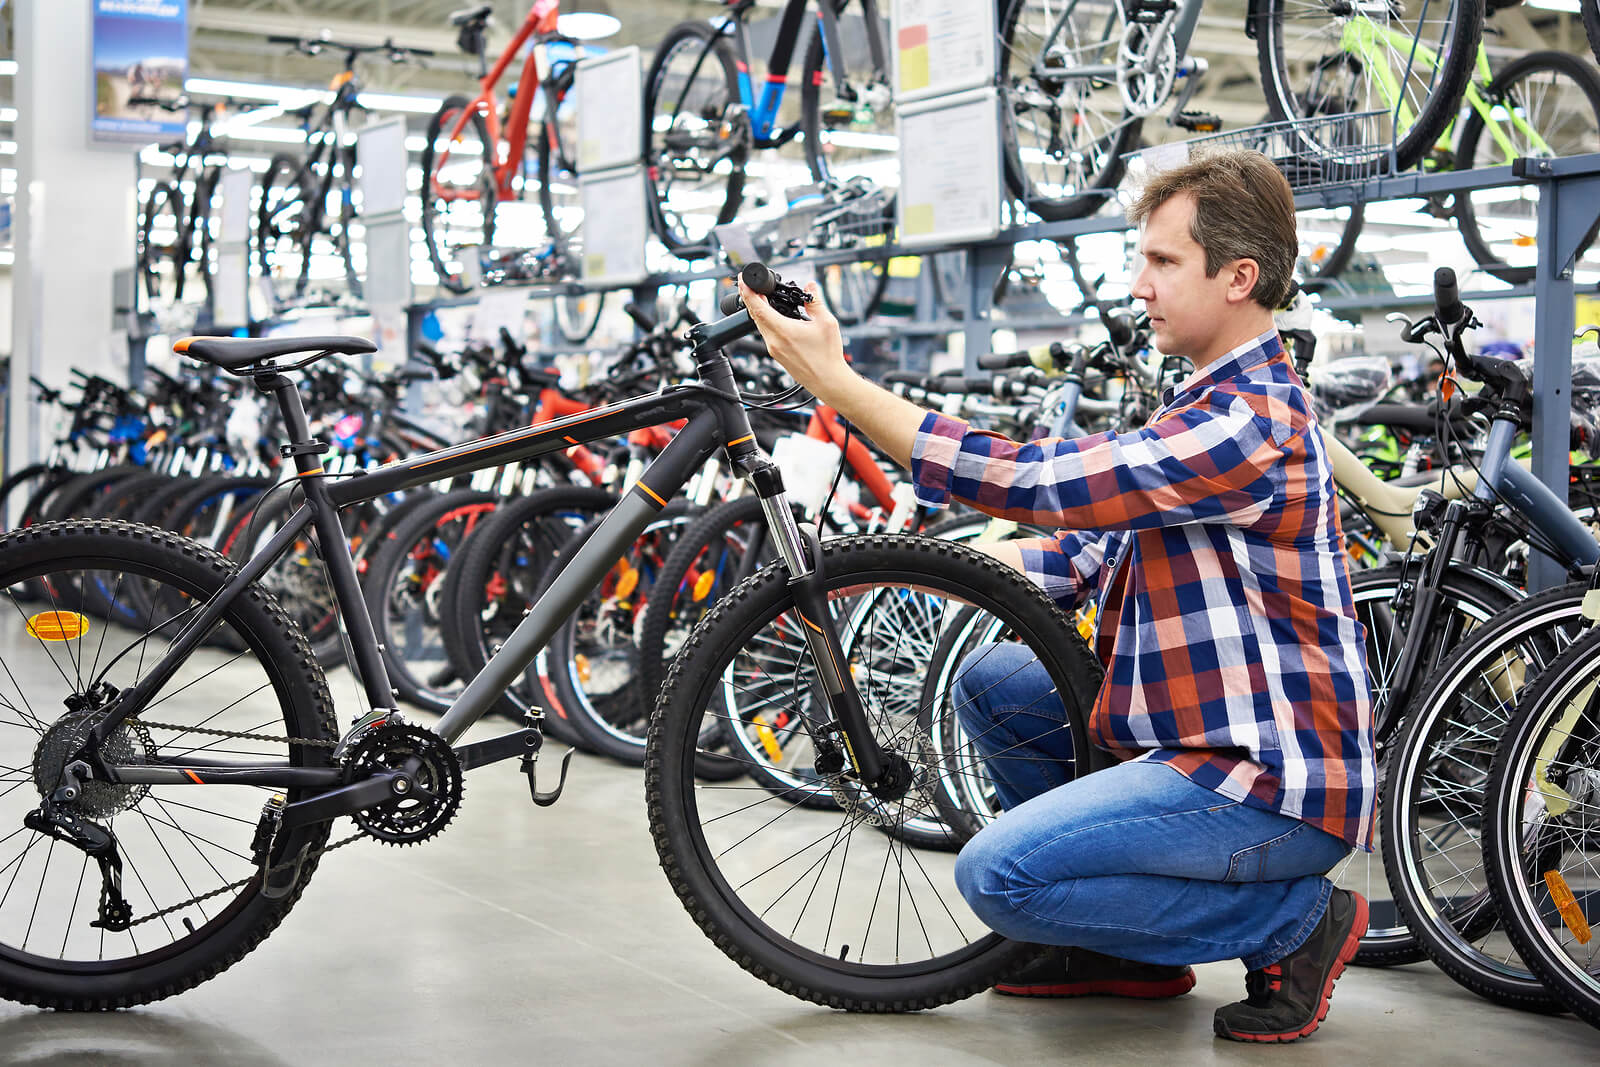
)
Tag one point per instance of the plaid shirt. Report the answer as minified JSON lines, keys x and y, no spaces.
{"x":1212,"y":536}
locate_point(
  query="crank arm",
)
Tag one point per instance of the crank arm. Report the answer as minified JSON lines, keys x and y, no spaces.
{"x":482,"y":753}
{"x":343,"y":801}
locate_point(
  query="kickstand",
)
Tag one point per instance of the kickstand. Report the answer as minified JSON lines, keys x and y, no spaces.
{"x":544,"y":800}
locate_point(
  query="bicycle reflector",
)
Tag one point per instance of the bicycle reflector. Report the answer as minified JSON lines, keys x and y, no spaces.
{"x":58,"y":625}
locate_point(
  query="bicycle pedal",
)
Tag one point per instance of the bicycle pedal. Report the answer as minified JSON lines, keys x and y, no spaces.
{"x":277,"y":884}
{"x":839,"y":114}
{"x":529,"y":767}
{"x":1197,"y":121}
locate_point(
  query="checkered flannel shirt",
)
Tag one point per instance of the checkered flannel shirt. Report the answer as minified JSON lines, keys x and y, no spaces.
{"x":1227,"y":628}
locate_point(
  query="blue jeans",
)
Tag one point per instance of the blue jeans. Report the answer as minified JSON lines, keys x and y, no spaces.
{"x":1133,"y":861}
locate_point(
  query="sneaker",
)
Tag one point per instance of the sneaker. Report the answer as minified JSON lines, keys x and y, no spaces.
{"x":1285,"y":1001}
{"x":1054,"y":971}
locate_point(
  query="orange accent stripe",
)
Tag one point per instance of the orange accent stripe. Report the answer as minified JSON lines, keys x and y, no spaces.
{"x":183,"y":344}
{"x":809,"y":623}
{"x":195,"y":778}
{"x":652,"y":493}
{"x":568,"y":437}
{"x":317,"y":471}
{"x":741,"y":440}
{"x":492,"y":443}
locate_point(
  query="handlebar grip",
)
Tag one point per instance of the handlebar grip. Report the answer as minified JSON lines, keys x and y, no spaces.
{"x":1447,"y":297}
{"x":1005,"y":360}
{"x":730,"y":302}
{"x":1119,"y":324}
{"x":759,"y":277}
{"x":640,"y":317}
{"x":960,"y":383}
{"x":904,"y":377}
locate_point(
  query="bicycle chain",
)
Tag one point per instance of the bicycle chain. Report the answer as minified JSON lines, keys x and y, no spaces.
{"x":311,"y":741}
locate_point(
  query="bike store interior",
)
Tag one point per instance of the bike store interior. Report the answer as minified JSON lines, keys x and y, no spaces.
{"x":526,"y":210}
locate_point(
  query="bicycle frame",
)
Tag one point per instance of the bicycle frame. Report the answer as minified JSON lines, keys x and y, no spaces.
{"x":763,"y":113}
{"x":513,"y":136}
{"x":716,"y":422}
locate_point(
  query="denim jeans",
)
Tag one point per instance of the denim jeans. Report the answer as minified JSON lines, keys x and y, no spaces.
{"x":1133,"y":861}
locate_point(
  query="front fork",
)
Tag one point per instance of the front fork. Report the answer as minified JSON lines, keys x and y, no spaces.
{"x":841,"y":733}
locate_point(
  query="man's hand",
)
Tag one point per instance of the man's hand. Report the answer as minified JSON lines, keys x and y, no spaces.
{"x":812,"y":352}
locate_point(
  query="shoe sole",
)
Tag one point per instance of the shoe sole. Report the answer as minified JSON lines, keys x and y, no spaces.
{"x":1352,"y":944}
{"x":1175,"y":987}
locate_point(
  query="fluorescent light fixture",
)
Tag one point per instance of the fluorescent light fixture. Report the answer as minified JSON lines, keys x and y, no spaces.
{"x":289,"y":96}
{"x":8,"y":148}
{"x":590,"y":25}
{"x":416,"y":105}
{"x":8,"y":114}
{"x":1569,"y":6}
{"x":8,"y":66}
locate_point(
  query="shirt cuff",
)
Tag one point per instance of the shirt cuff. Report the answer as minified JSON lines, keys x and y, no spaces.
{"x":1050,"y":569}
{"x":933,"y":458}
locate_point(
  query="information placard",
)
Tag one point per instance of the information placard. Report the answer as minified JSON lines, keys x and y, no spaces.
{"x":611,"y":98}
{"x":614,"y":226}
{"x":942,"y":46}
{"x":381,"y":153}
{"x":950,"y":175}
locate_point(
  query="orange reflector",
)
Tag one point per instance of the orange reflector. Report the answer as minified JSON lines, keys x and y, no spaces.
{"x":769,"y":740}
{"x":1571,"y":914}
{"x":58,"y":625}
{"x":628,"y":582}
{"x":341,"y":78}
{"x":1525,"y":240}
{"x":1086,"y":623}
{"x":582,"y":663}
{"x":703,"y":584}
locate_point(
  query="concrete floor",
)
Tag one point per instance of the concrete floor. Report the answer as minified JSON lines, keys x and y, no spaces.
{"x":550,"y":936}
{"x":528,"y":935}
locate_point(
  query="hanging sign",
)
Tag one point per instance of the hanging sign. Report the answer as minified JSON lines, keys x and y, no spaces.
{"x":140,"y":53}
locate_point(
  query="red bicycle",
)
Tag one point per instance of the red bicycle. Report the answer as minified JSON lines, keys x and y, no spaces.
{"x":478,"y":157}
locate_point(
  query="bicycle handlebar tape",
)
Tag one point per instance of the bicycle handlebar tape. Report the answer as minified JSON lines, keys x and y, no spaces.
{"x":1447,"y":298}
{"x":759,"y":277}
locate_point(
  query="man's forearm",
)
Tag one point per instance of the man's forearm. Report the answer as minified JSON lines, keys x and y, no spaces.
{"x":890,"y":421}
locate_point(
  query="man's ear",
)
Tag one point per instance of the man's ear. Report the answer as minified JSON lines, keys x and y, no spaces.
{"x":1244,"y":273}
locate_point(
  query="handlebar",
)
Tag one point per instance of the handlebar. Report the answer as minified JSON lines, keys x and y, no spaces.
{"x":1447,"y":298}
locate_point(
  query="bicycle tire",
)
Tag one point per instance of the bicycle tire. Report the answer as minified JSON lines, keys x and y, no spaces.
{"x":1525,"y":768}
{"x":1589,"y":12}
{"x":924,"y":567}
{"x":74,"y":498}
{"x":284,"y":225}
{"x":82,"y":977}
{"x":417,"y":552}
{"x":542,"y":521}
{"x":611,"y":721}
{"x":1498,"y":93}
{"x":1080,"y":190}
{"x":1467,"y":596}
{"x":1433,"y":796}
{"x":680,"y":241}
{"x":486,"y":191}
{"x":198,"y":235}
{"x":23,"y":484}
{"x":1335,"y":150}
{"x":152,"y":259}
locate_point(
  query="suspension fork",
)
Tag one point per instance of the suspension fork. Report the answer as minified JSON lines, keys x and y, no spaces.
{"x":1426,"y":598}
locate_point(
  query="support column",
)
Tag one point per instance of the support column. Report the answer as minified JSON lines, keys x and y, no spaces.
{"x":73,"y":221}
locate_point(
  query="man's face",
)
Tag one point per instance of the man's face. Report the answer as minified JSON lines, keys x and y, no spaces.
{"x":1186,"y":308}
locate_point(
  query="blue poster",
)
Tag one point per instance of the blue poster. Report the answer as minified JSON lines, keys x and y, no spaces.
{"x":141,"y":56}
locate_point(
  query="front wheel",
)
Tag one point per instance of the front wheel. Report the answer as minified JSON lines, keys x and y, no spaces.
{"x":458,"y":190}
{"x":835,"y":905}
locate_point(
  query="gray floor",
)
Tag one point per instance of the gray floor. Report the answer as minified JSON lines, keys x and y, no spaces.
{"x":550,"y":935}
{"x":526,"y":935}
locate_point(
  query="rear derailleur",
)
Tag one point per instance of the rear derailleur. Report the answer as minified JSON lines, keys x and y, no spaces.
{"x":55,"y":819}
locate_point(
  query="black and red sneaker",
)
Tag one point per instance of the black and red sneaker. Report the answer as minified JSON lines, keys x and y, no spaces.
{"x":1286,"y":1001}
{"x":1054,"y":971}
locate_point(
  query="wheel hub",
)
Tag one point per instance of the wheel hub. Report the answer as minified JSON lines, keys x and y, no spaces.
{"x":1147,"y":66}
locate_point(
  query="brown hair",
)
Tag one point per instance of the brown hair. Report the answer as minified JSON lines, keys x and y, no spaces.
{"x":1243,"y":209}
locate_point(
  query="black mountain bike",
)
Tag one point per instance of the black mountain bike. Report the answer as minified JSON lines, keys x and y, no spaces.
{"x":311,"y":197}
{"x":175,"y":229}
{"x":171,"y":766}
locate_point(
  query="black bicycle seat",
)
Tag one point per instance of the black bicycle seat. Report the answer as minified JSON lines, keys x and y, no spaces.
{"x":237,"y":353}
{"x":471,"y":14}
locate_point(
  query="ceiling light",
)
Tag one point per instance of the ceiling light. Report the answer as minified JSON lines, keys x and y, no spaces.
{"x":587,"y":25}
{"x":8,"y":66}
{"x":1570,"y":6}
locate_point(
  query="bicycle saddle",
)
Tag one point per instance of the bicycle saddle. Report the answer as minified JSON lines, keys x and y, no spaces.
{"x":471,"y":14}
{"x":237,"y":353}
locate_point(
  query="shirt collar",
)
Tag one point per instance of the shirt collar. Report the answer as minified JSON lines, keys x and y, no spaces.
{"x":1246,"y":357}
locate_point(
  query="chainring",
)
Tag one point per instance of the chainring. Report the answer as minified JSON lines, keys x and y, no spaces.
{"x":436,"y":789}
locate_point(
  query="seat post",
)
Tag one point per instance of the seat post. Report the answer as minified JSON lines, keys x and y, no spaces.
{"x":306,"y":450}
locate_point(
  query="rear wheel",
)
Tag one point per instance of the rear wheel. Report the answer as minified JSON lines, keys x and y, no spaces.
{"x":286,"y":226}
{"x":176,"y":843}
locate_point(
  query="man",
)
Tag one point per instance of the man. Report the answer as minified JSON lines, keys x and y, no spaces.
{"x":1236,"y":694}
